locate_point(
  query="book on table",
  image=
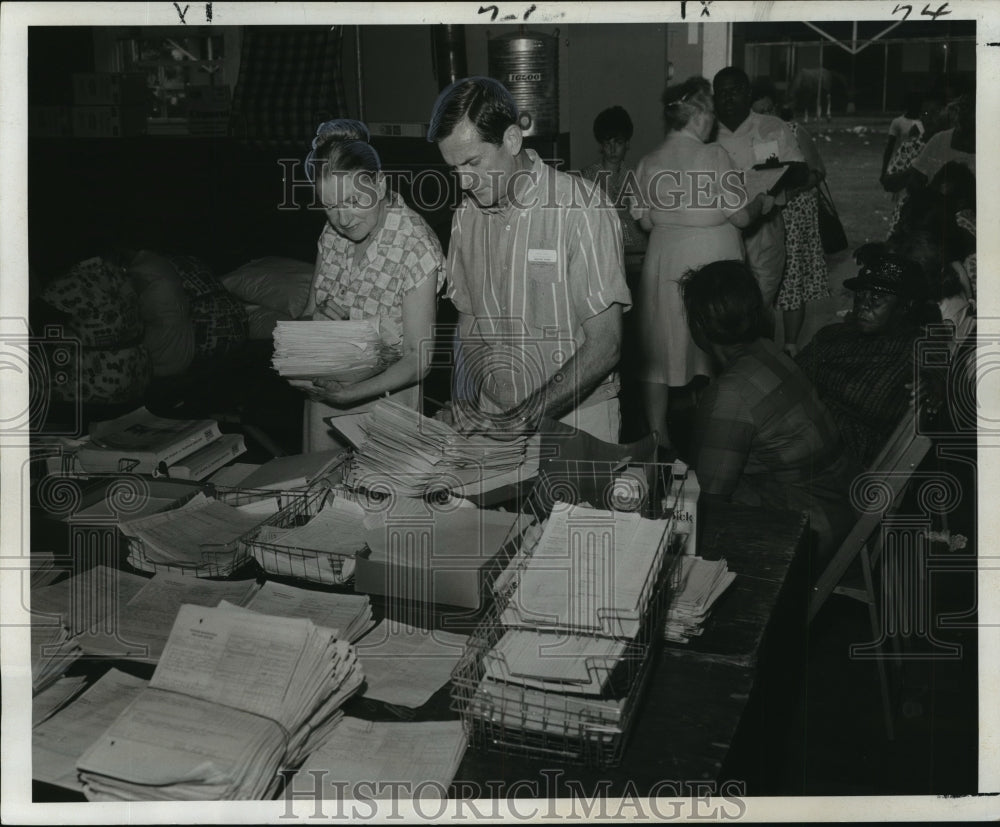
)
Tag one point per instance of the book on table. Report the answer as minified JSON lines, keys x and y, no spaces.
{"x":236,"y":696}
{"x":209,"y":458}
{"x":143,"y":443}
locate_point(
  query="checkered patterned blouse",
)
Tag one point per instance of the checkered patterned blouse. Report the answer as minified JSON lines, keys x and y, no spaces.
{"x":402,"y":255}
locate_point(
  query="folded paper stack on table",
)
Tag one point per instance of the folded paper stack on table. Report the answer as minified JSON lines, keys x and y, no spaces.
{"x":53,"y":651}
{"x":404,"y":665}
{"x":350,"y":615}
{"x":347,"y":351}
{"x":411,"y":455}
{"x":63,"y":611}
{"x":201,"y":730}
{"x":557,"y":668}
{"x":387,"y":759}
{"x":142,"y":624}
{"x":697,"y":585}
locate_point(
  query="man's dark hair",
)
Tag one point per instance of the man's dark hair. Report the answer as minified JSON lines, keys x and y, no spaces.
{"x":723,"y":303}
{"x":613,"y":122}
{"x":731,"y":73}
{"x":486,"y":102}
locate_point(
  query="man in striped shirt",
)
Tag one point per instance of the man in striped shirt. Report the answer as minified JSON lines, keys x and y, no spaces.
{"x":535,"y":270}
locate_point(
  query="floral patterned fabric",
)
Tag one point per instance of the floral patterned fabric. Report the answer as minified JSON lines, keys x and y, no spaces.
{"x":220,"y":319}
{"x":107,"y":376}
{"x":99,"y":299}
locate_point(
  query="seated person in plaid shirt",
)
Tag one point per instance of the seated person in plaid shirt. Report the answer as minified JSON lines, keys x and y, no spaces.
{"x":762,"y":436}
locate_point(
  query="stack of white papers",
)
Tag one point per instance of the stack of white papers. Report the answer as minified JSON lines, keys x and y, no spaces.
{"x":413,"y":454}
{"x":699,"y":583}
{"x":51,"y":699}
{"x":61,"y":612}
{"x":554,"y":662}
{"x":53,"y":651}
{"x":84,"y":601}
{"x":414,"y":760}
{"x":350,"y":615}
{"x":343,"y":350}
{"x":321,"y":550}
{"x":534,"y":710}
{"x":141,"y":627}
{"x":58,"y":743}
{"x":405,"y":666}
{"x":294,"y":472}
{"x":579,"y":592}
{"x":592,"y":572}
{"x":201,"y":535}
{"x":236,"y":696}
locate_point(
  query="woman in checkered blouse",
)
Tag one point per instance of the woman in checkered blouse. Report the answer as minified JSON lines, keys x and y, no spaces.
{"x":376,"y":259}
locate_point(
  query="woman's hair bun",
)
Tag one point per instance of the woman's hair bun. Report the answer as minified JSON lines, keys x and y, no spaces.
{"x":341,"y":130}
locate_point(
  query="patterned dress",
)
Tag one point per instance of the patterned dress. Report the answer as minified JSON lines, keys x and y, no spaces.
{"x":805,"y":277}
{"x":403,"y":253}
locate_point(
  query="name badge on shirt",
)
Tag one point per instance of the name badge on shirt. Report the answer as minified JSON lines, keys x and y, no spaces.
{"x":541,"y":256}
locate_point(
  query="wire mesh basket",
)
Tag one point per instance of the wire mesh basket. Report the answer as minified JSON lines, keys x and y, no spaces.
{"x":217,"y":559}
{"x":547,"y":718}
{"x":318,"y":565}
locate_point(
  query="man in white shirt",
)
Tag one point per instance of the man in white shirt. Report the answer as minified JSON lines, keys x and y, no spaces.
{"x":751,"y":138}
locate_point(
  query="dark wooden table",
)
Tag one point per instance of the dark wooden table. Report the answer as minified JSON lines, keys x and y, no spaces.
{"x":698,"y":695}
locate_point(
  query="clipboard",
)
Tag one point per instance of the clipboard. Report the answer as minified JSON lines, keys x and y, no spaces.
{"x":787,"y":175}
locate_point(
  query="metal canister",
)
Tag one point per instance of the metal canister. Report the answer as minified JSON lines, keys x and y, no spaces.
{"x":527,"y":63}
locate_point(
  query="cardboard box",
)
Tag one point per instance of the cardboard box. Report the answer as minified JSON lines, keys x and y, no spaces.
{"x":438,"y":557}
{"x":49,"y":122}
{"x":110,"y":89}
{"x":108,"y":121}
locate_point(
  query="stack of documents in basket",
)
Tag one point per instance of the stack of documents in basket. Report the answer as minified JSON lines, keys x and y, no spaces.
{"x":554,"y":662}
{"x":321,"y":549}
{"x":698,"y":584}
{"x":591,"y":572}
{"x":568,"y":641}
{"x":412,"y":759}
{"x":203,"y":534}
{"x":412,"y":453}
{"x":345,"y":350}
{"x":236,"y":696}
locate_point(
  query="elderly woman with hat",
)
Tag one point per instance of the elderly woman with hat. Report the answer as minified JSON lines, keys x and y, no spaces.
{"x":862,"y":367}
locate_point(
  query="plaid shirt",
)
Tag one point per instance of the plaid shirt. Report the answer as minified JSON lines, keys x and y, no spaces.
{"x":764,"y":438}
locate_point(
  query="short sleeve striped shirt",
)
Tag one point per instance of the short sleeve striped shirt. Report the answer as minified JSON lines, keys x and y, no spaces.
{"x":533,"y":272}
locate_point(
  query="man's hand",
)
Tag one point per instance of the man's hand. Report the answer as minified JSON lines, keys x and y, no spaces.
{"x":468,"y":419}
